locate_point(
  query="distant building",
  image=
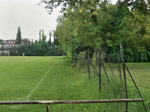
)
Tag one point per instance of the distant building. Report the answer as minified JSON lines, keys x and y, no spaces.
{"x":7,"y":44}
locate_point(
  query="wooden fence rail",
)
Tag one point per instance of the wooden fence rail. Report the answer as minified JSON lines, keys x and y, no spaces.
{"x":68,"y":102}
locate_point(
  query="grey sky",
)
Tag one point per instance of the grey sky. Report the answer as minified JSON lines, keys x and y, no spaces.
{"x":26,"y":14}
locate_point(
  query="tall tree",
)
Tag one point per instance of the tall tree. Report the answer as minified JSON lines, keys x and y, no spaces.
{"x":40,"y":35}
{"x":50,"y":38}
{"x":43,"y":36}
{"x":18,"y":38}
{"x":55,"y":39}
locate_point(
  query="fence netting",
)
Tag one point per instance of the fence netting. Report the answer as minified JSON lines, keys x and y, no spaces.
{"x":114,"y":80}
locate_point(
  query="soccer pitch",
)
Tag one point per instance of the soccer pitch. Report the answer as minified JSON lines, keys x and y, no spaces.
{"x":51,"y":78}
{"x":41,"y":78}
{"x":29,"y":78}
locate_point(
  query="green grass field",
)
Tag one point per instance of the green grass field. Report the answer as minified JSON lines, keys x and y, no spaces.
{"x":50,"y":78}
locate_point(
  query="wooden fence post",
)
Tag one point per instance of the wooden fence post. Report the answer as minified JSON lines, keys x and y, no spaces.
{"x":47,"y":108}
{"x":136,"y":87}
{"x":100,"y":65}
{"x":124,"y":74}
{"x":89,"y":71}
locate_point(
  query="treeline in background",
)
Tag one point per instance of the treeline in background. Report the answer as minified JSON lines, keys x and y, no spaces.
{"x":25,"y":47}
{"x":42,"y":47}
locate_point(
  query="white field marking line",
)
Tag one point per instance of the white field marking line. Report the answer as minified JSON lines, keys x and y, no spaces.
{"x":38,"y":84}
{"x":31,"y":92}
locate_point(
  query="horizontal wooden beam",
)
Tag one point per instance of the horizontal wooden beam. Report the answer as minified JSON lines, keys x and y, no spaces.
{"x":70,"y":101}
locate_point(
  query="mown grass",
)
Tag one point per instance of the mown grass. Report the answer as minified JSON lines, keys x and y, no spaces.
{"x":51,"y":78}
{"x":141,"y":74}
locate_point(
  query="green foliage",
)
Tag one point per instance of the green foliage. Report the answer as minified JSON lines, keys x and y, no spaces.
{"x":40,"y":35}
{"x":140,"y":5}
{"x":40,"y":48}
{"x":43,"y":36}
{"x":1,"y":41}
{"x":81,"y":58}
{"x":90,"y":23}
{"x":56,"y":42}
{"x":69,"y":57}
{"x":50,"y":37}
{"x":115,"y":24}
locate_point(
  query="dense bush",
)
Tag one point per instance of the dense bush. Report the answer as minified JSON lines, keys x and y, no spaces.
{"x":91,"y":23}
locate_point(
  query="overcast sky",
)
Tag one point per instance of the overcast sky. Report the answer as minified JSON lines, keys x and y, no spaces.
{"x":26,"y":14}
